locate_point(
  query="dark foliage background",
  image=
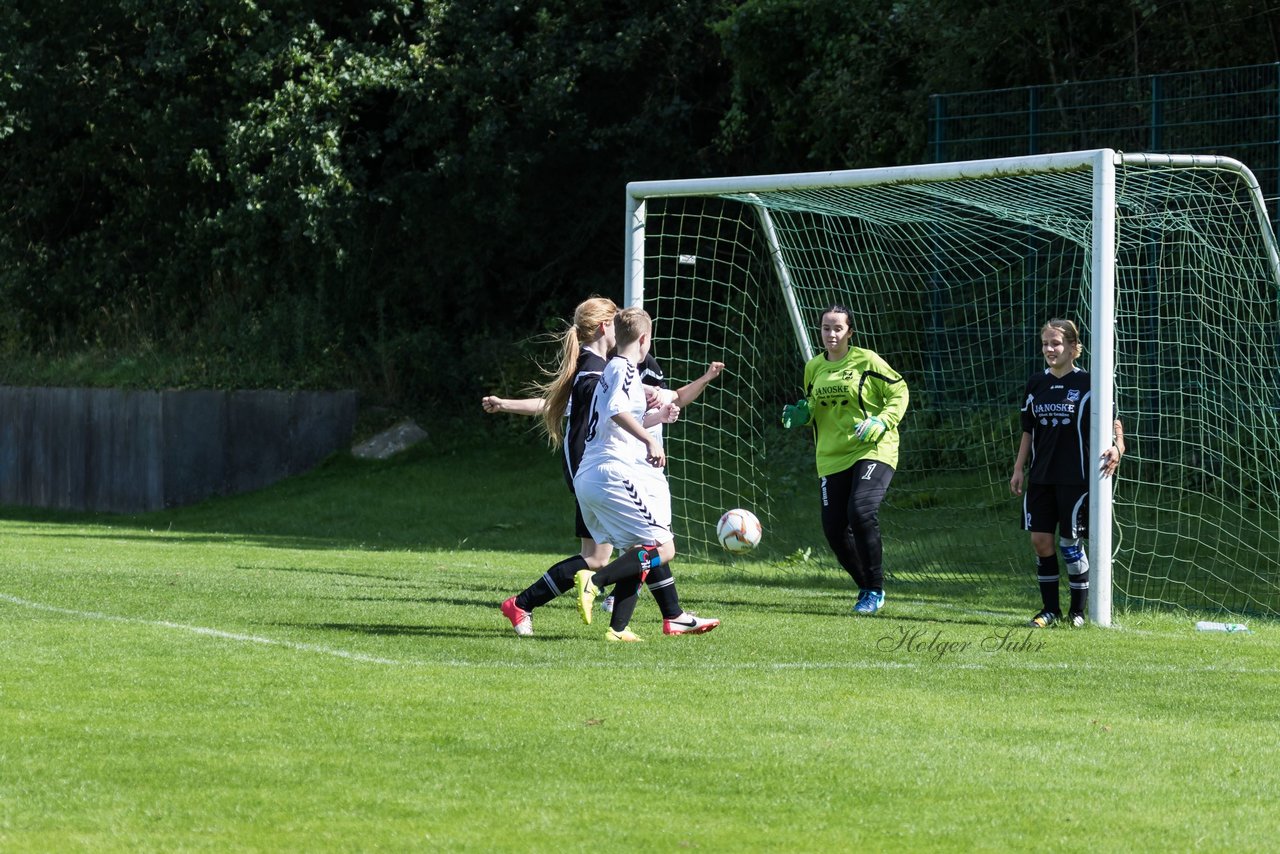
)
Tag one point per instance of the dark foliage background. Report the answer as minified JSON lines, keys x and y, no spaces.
{"x":397,"y":196}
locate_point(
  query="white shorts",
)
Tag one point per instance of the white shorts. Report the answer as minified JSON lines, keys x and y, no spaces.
{"x":624,"y":505}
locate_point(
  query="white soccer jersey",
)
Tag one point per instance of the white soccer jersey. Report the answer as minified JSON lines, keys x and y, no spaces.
{"x":624,"y":500}
{"x":619,"y":390}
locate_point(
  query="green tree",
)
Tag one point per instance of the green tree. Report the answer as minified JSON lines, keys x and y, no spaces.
{"x":381,"y":193}
{"x":376,"y":188}
{"x":845,"y":83}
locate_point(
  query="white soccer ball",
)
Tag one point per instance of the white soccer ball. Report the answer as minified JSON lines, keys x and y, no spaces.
{"x":739,"y":530}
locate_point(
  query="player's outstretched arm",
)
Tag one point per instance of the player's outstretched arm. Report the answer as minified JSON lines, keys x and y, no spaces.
{"x":686,"y":395}
{"x":514,"y":406}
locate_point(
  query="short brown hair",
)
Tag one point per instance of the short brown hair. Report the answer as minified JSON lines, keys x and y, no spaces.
{"x":629,"y":324}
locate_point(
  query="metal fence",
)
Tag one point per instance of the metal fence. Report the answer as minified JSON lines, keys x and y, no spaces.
{"x":1228,"y":111}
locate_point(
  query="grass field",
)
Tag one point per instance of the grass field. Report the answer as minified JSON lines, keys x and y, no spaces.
{"x":321,"y":666}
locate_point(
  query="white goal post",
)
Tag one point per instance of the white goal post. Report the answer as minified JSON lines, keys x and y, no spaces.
{"x":1168,"y":263}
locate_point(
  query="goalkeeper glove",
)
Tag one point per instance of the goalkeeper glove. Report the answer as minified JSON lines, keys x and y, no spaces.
{"x":870,"y":429}
{"x":795,"y":414}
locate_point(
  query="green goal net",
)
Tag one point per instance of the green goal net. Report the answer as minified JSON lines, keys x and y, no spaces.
{"x":1168,"y":265}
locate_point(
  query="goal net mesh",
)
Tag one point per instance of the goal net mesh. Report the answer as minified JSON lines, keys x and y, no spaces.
{"x":950,"y":281}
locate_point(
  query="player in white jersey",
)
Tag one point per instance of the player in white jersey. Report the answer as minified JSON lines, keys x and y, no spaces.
{"x":623,"y":491}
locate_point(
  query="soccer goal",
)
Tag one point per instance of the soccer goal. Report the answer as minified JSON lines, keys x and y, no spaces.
{"x":1167,"y":263}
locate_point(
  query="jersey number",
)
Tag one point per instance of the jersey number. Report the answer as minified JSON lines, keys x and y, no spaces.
{"x":866,"y":475}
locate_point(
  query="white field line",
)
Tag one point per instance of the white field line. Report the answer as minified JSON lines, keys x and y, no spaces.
{"x":922,"y":659}
{"x":201,"y":630}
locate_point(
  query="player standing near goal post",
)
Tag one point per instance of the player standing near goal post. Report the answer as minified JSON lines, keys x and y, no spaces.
{"x":1055,"y":435}
{"x":854,"y":401}
{"x":623,"y":492}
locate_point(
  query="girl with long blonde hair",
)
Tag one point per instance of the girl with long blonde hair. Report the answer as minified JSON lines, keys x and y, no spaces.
{"x":563,"y":404}
{"x":592,"y":330}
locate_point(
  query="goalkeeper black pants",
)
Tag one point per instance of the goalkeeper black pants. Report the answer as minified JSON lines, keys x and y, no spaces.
{"x":851,"y":519}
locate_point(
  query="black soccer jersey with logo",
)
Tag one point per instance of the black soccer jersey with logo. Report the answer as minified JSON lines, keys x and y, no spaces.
{"x":651,"y":372}
{"x":578,"y":412}
{"x":585,"y":379}
{"x":1055,"y":411}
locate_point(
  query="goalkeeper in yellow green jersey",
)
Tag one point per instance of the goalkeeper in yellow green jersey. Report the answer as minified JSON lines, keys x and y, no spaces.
{"x":854,"y":402}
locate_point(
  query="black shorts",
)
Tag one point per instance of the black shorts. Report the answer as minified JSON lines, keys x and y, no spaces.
{"x":1049,"y":507}
{"x":579,"y":523}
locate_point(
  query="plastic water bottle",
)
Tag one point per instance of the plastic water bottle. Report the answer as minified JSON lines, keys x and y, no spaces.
{"x":1210,"y":626}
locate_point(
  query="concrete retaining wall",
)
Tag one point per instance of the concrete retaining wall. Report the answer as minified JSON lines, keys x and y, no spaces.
{"x":132,"y":451}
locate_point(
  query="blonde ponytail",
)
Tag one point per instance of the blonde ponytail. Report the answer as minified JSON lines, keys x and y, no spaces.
{"x":587,"y":318}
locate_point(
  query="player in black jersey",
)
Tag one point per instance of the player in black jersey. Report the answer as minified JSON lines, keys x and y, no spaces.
{"x":584,"y":348}
{"x":1055,"y":438}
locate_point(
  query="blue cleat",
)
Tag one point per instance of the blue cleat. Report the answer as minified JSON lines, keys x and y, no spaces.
{"x":869,"y":601}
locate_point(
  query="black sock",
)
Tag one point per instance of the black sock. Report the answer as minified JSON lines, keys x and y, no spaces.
{"x":626,"y":566}
{"x":1079,"y":591}
{"x":662,"y":584}
{"x":1048,"y":576}
{"x":555,"y":581}
{"x":625,"y":597}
